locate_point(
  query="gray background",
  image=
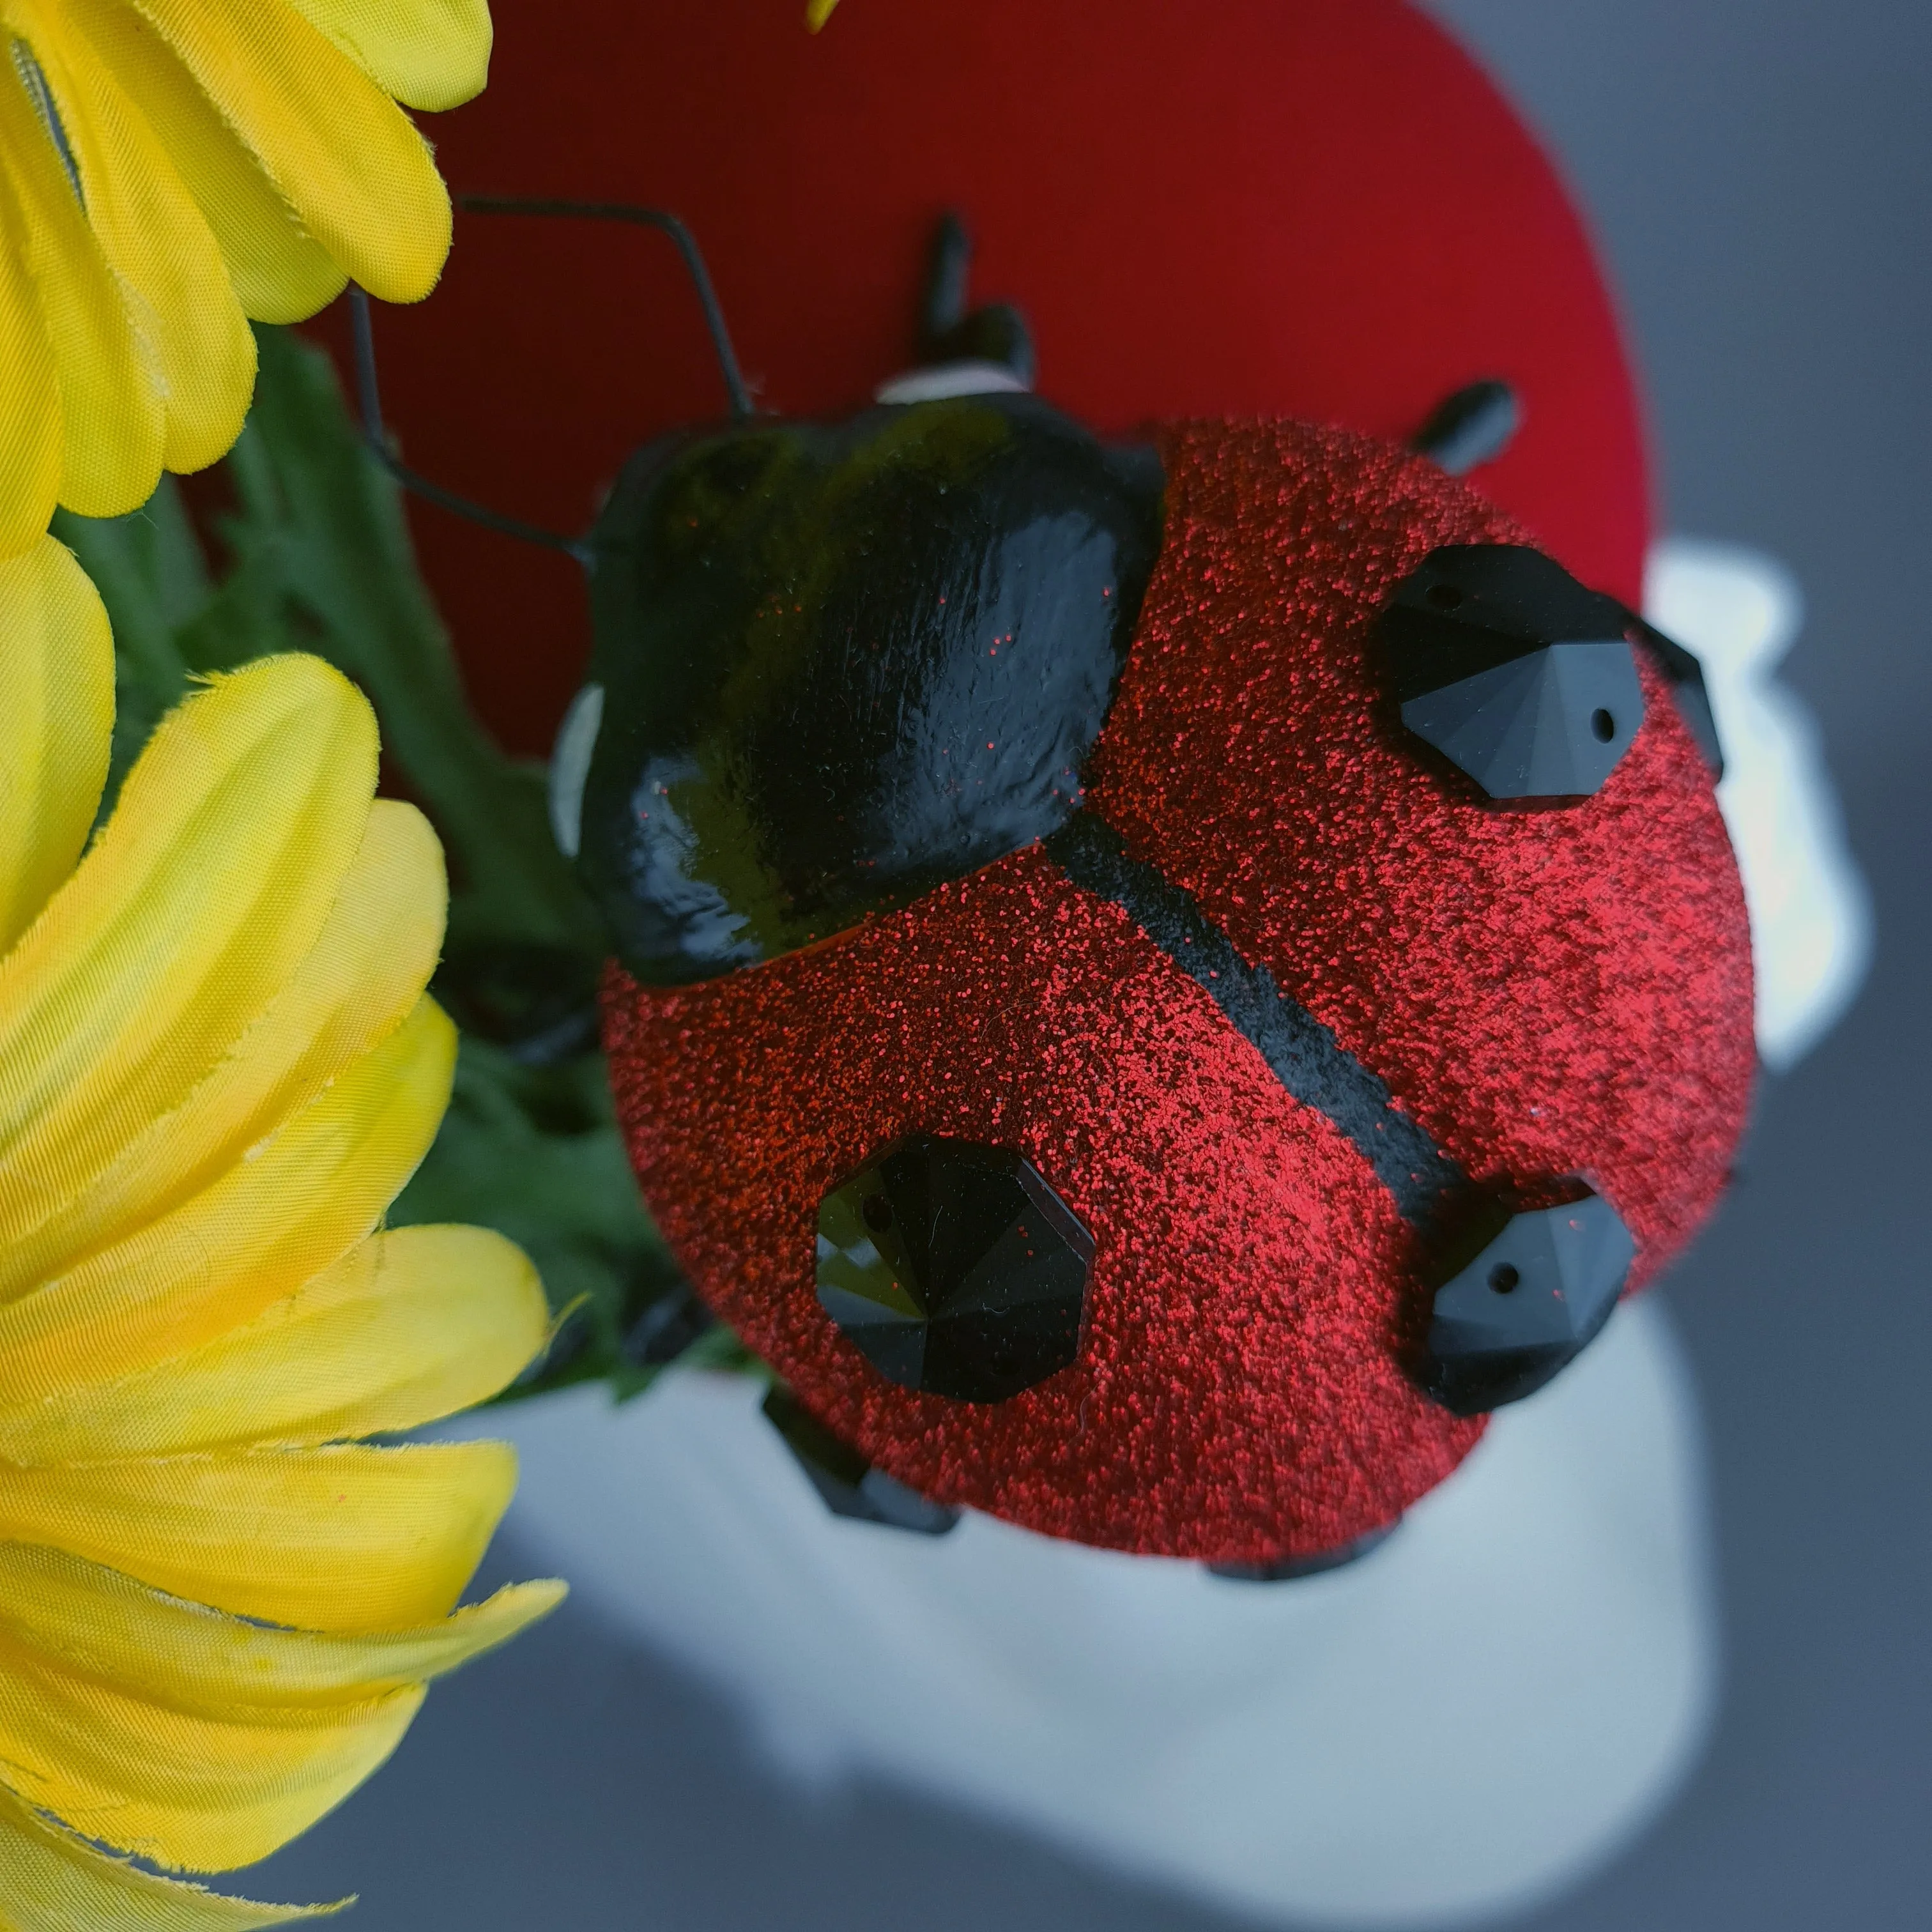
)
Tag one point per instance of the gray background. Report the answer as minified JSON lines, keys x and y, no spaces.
{"x":1760,"y":171}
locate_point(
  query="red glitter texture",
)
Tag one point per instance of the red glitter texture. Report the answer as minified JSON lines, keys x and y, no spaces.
{"x":1552,"y":992}
{"x":1549,"y":992}
{"x":1238,"y":1392}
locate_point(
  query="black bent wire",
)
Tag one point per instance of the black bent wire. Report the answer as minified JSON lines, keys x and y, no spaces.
{"x":665,"y":223}
{"x":375,"y":433}
{"x":376,"y":437}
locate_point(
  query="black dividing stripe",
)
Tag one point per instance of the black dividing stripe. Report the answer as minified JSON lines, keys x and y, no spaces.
{"x":1304,"y":1055}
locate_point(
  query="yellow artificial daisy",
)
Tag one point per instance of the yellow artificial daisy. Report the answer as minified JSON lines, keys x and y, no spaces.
{"x":218,"y":1609}
{"x":169,"y":168}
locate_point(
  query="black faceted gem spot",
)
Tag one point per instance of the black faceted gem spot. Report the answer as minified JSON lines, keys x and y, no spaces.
{"x":1292,"y":1569}
{"x":666,"y":1328}
{"x":570,"y":1343}
{"x":1686,"y":686}
{"x":537,"y":1002}
{"x":1534,"y":1296}
{"x":955,"y":1268}
{"x":849,"y":1485}
{"x":1519,"y":677}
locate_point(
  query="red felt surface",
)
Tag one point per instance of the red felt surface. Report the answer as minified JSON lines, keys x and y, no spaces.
{"x":1553,"y":992}
{"x":1314,"y":208}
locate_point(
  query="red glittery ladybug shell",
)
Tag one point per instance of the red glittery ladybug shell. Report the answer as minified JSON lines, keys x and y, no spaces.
{"x":1284,"y":1020}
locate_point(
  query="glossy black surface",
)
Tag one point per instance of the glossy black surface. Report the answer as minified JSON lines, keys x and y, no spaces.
{"x":845,"y":663}
{"x":666,"y":1328}
{"x":955,"y":1268}
{"x":1471,"y":427}
{"x":1292,"y":1569}
{"x":1686,"y":686}
{"x":539,"y":1003}
{"x":1531,"y":1300}
{"x":847,"y":1483}
{"x":948,"y":331}
{"x":1502,"y":662}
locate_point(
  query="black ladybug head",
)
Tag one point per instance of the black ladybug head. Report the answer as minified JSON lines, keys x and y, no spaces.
{"x":838,"y":664}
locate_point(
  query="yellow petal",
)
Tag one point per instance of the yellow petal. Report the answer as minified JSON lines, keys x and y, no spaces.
{"x":304,"y":1201}
{"x":197,"y":1792}
{"x":817,"y":12}
{"x":339,"y":1539}
{"x":430,"y":54}
{"x":413,"y":1326}
{"x":51,"y":1881}
{"x":347,"y":158}
{"x":279,"y":272}
{"x":30,"y":409}
{"x":206,"y":889}
{"x":97,"y":1624}
{"x":56,"y":724}
{"x":361,"y":981}
{"x":157,"y":242}
{"x":197,"y":1739}
{"x":112,"y":421}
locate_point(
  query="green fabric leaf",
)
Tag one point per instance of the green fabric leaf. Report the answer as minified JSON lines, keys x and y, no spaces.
{"x":151,"y":576}
{"x":316,"y":557}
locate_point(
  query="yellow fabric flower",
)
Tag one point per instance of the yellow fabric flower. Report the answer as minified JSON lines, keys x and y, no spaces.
{"x":218,"y":1610}
{"x":169,"y":168}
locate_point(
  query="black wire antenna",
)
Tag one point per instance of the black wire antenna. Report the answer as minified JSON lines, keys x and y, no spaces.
{"x":375,"y":436}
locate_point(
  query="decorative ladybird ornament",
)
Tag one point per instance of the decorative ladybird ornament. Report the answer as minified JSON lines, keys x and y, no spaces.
{"x":1157,"y":982}
{"x":1159,"y":976}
